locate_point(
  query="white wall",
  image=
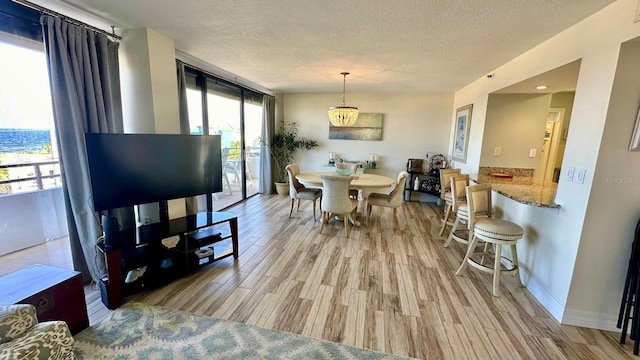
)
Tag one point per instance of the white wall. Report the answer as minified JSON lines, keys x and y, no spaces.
{"x":149,"y":83}
{"x":413,"y":124}
{"x":516,"y":123}
{"x":596,"y":41}
{"x":614,"y":205}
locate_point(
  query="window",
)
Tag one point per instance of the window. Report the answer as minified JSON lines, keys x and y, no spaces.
{"x":31,"y":198}
{"x":217,"y":107}
{"x":28,"y":154}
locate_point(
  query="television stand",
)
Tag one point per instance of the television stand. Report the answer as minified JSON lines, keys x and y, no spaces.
{"x":156,"y":254}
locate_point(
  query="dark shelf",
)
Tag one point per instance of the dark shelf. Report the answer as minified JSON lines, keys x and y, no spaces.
{"x":428,"y":179}
{"x":165,"y":260}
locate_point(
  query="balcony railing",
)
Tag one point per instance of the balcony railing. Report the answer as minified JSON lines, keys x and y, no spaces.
{"x":30,"y":176}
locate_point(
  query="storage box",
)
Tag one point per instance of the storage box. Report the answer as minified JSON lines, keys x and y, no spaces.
{"x":415,"y":165}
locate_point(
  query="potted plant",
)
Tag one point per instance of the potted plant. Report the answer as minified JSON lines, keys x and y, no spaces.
{"x":284,"y":145}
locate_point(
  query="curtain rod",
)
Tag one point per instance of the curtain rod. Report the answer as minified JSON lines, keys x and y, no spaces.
{"x":71,"y":20}
{"x":231,"y":82}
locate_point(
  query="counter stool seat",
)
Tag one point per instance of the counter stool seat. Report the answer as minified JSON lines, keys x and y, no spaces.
{"x":497,"y":229}
{"x":496,"y":232}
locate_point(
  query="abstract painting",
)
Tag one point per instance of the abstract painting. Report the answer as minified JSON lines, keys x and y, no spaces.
{"x":367,"y":127}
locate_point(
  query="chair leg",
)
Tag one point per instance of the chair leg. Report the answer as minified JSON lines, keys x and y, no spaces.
{"x":346,"y":224}
{"x":322,"y":221}
{"x":453,"y":229}
{"x":314,"y":210}
{"x":369,"y":206}
{"x":298,"y":205}
{"x":514,"y":261}
{"x":496,"y":271}
{"x":291,"y":211}
{"x":395,"y":215}
{"x":470,"y":249}
{"x":447,"y":211}
{"x":629,"y":304}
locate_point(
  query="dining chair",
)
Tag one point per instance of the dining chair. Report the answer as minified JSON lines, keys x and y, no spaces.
{"x":336,"y":201}
{"x":392,"y":200}
{"x":297,"y":191}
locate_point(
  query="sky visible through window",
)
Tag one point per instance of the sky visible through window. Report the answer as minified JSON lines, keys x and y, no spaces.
{"x":25,"y":98}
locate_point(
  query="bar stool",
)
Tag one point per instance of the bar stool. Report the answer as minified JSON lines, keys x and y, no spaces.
{"x":629,"y":311}
{"x":459,"y":207}
{"x":445,"y":195}
{"x":497,"y":232}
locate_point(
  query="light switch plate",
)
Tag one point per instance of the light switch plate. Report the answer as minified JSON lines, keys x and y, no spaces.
{"x":569,"y":174}
{"x":532,"y":153}
{"x":580,"y":174}
{"x":497,"y":151}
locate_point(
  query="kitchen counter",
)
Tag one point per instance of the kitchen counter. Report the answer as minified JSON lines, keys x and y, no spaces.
{"x":523,"y":189}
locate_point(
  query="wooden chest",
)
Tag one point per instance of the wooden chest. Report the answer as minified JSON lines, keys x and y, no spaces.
{"x":56,"y":293}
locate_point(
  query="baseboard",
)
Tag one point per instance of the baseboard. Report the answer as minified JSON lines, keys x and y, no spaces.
{"x":566,"y":316}
{"x":591,"y":319}
{"x":545,"y":299}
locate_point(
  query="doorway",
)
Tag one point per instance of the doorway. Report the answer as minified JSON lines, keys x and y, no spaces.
{"x":548,"y":171}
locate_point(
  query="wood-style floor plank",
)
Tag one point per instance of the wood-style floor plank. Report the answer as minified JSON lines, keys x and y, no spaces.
{"x":388,"y":287}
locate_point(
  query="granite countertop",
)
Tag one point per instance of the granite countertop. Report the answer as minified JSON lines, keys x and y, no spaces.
{"x":523,"y":189}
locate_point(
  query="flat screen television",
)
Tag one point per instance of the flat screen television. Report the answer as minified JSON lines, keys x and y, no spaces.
{"x":132,"y":169}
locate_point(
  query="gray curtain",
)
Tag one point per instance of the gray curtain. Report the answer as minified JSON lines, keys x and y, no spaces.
{"x":268,"y":129}
{"x":191,"y":202}
{"x":85,"y":88}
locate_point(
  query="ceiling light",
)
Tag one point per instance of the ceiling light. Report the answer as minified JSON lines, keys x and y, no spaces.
{"x":343,"y":115}
{"x":541,"y":87}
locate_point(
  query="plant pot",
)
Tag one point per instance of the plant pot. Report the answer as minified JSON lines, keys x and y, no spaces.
{"x":282,"y":188}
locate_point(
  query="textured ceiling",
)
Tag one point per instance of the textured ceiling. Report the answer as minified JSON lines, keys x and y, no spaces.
{"x":387,"y":45}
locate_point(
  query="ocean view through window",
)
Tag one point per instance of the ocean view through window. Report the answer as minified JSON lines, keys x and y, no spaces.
{"x":28,"y":154}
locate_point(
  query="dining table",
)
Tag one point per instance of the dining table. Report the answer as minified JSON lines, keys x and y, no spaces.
{"x":365,"y":183}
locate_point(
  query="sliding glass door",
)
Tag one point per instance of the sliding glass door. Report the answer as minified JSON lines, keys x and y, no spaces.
{"x":217,"y":107}
{"x":252,"y":129}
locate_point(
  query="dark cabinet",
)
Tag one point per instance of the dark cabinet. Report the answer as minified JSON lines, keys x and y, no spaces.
{"x":426,"y":182}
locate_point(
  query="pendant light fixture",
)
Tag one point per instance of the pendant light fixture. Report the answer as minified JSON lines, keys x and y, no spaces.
{"x":343,"y":115}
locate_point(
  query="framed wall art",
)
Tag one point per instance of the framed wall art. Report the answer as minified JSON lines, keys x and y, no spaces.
{"x":367,"y":127}
{"x":461,"y":139}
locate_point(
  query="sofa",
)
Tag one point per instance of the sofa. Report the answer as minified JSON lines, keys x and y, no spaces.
{"x":23,"y":337}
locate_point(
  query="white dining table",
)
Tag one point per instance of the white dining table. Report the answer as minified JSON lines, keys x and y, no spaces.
{"x":365,"y":183}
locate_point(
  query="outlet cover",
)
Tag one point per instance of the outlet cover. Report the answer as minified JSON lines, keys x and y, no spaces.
{"x":580,"y":174}
{"x":532,"y":153}
{"x":497,"y":151}
{"x":569,"y":174}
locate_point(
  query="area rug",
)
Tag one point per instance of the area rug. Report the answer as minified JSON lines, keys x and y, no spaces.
{"x":140,"y":331}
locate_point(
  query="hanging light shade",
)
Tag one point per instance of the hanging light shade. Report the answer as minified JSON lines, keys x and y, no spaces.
{"x":343,"y":115}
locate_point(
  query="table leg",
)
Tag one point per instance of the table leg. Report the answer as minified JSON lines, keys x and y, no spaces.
{"x":233,"y":224}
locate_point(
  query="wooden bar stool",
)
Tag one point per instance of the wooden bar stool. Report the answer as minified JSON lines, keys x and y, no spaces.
{"x":459,"y":207}
{"x":445,"y":195}
{"x":497,"y":232}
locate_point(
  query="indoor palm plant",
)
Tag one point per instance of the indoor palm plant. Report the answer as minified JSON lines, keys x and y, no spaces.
{"x":284,"y":145}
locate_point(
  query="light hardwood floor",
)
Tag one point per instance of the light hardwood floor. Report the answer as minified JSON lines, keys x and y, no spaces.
{"x":388,"y":288}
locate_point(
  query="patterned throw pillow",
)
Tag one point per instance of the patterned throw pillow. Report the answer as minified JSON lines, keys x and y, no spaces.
{"x":16,"y":320}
